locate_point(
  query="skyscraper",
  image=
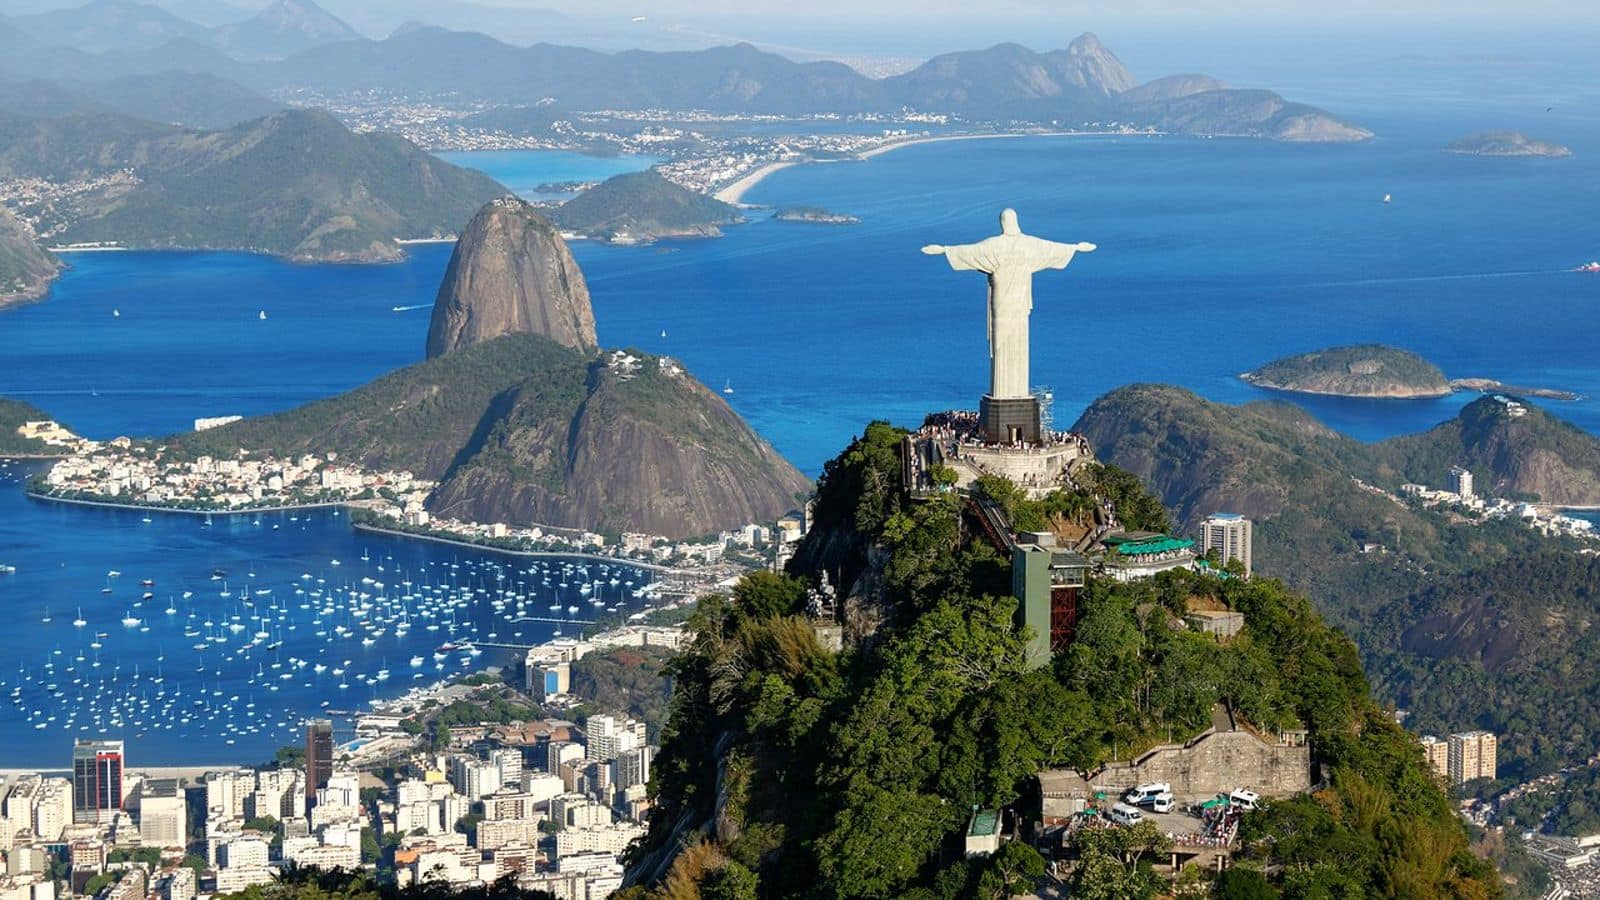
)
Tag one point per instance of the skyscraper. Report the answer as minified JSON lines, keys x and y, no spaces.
{"x":96,"y":780}
{"x":1229,"y":535}
{"x":319,"y":755}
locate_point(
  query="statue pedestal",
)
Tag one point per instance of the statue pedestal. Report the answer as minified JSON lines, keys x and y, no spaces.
{"x":1009,"y":420}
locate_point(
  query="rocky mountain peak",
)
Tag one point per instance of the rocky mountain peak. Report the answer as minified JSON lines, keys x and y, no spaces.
{"x":511,"y":273}
{"x":1089,"y":63}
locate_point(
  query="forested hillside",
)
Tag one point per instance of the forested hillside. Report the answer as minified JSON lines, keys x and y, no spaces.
{"x":847,"y":774}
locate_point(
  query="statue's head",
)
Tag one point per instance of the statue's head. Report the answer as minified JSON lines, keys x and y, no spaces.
{"x":1008,"y":222}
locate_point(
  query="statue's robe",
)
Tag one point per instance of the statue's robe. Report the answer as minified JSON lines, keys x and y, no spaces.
{"x":1010,"y":260}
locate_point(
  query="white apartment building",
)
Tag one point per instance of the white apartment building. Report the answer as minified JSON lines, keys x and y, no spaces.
{"x":612,"y":839}
{"x":163,"y":814}
{"x":1472,"y":755}
{"x":1229,"y":534}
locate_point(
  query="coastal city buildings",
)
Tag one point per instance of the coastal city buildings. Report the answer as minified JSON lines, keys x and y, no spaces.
{"x":1472,"y":755}
{"x":1437,"y":753}
{"x":120,"y":471}
{"x":163,"y":814}
{"x":548,"y":802}
{"x":319,"y":754}
{"x":1229,"y":535}
{"x":96,"y":781}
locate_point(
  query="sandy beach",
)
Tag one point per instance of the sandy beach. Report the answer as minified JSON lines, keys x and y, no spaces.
{"x":735,"y":192}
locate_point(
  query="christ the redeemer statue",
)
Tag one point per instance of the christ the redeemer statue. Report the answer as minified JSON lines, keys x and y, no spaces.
{"x":1009,"y":259}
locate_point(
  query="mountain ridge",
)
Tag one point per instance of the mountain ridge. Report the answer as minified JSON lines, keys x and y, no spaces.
{"x":1076,"y":86}
{"x":520,"y":429}
{"x":296,"y":184}
{"x":26,"y":269}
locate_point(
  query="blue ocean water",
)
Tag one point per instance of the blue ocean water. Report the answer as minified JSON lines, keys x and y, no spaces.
{"x":523,"y":172}
{"x":253,"y":623}
{"x":1215,"y":256}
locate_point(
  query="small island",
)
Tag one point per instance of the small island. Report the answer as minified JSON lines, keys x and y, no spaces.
{"x":1361,"y":370}
{"x":1377,"y":371}
{"x":641,"y":207}
{"x":1506,"y":143}
{"x":814,"y":215}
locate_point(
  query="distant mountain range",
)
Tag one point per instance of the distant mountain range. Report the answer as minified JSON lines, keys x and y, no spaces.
{"x":193,"y":99}
{"x":295,"y":45}
{"x":281,"y":29}
{"x":296,"y":184}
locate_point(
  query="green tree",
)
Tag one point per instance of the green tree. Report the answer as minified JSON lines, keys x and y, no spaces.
{"x":761,"y":594}
{"x":1243,"y":884}
{"x":732,"y":882}
{"x":880,"y":842}
{"x":1015,"y":869}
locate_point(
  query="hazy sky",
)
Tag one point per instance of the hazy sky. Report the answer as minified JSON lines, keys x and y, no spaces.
{"x":1162,"y":34}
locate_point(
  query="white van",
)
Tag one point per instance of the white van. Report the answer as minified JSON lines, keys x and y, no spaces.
{"x":1141,"y":793}
{"x":1123,"y":814}
{"x":1161,"y":803}
{"x":1244,"y":799}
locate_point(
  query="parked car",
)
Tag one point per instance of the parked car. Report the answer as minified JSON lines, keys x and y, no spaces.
{"x":1140,"y":793}
{"x":1123,"y":814}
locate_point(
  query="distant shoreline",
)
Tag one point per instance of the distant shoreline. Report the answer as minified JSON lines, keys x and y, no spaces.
{"x":540,"y":554}
{"x":148,"y":507}
{"x":734,"y":193}
{"x":357,"y":526}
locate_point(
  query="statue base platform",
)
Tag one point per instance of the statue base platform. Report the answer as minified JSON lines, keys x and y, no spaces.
{"x":1009,"y":420}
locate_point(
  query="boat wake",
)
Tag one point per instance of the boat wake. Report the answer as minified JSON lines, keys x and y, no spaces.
{"x":1413,"y":279}
{"x":410,"y":308}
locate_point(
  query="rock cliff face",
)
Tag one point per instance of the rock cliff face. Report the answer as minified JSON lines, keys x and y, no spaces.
{"x":632,"y":444}
{"x":1514,"y":452}
{"x":524,"y":431}
{"x":26,"y":269}
{"x":511,"y":273}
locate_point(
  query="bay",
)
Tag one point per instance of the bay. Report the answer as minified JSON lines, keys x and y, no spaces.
{"x":1215,"y":256}
{"x":253,"y":624}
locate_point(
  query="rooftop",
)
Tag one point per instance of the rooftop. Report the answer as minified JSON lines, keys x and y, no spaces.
{"x":1143,"y":545}
{"x":985,"y":822}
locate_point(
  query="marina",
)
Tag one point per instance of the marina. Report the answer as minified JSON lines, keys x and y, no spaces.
{"x":221,"y":644}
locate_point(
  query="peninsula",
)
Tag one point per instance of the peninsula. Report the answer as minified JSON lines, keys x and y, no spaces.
{"x":1506,"y":143}
{"x":641,"y":207}
{"x":297,"y":184}
{"x":517,"y":417}
{"x":26,"y":269}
